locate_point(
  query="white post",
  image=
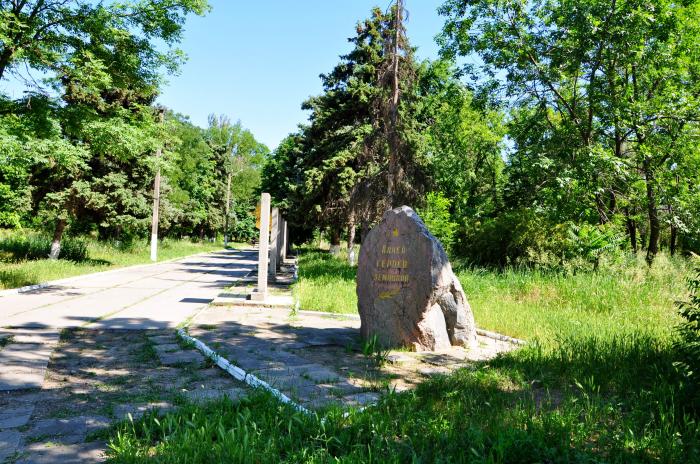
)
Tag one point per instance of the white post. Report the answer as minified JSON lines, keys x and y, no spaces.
{"x":283,"y":241}
{"x":261,"y":292}
{"x":156,"y":199}
{"x":274,"y":240}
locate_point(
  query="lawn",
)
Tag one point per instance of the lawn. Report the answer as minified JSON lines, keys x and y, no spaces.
{"x":625,"y":298}
{"x":101,"y":256}
{"x":597,"y":383}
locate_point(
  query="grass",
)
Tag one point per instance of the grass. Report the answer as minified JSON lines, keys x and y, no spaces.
{"x":597,"y":383}
{"x":101,"y":256}
{"x":326,"y":283}
{"x":626,"y":298}
{"x":503,"y":412}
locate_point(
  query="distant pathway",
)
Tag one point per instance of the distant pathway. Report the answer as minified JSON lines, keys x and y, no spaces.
{"x":158,"y":296}
{"x":143,"y":297}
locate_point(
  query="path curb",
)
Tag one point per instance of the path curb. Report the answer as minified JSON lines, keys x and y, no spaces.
{"x":238,"y":373}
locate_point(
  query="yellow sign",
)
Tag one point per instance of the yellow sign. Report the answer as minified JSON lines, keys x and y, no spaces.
{"x":257,"y":217}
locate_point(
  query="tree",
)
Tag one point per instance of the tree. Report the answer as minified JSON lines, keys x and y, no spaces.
{"x":48,"y":34}
{"x":362,"y":140}
{"x":239,"y":160}
{"x":602,"y":92}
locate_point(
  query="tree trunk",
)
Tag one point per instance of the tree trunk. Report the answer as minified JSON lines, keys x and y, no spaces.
{"x":364,"y":230}
{"x":631,"y":230}
{"x":394,"y":143}
{"x":335,"y":241}
{"x":57,"y":236}
{"x":652,"y":210}
{"x":600,"y":206}
{"x":351,"y":239}
{"x":227,"y":208}
{"x":674,"y":238}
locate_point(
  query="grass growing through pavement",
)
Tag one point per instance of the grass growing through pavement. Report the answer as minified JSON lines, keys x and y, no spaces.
{"x":596,"y":384}
{"x":101,"y":256}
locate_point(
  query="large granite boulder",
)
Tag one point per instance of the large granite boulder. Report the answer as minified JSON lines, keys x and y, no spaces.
{"x":407,"y":293}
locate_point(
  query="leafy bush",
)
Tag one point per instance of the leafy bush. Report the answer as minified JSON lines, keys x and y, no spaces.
{"x":243,"y":225}
{"x":436,"y":216}
{"x":33,"y":247}
{"x":524,"y":238}
{"x":688,"y":343}
{"x":515,"y":237}
{"x":591,"y":242}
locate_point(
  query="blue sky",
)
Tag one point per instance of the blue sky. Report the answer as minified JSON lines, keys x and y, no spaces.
{"x":258,"y":60}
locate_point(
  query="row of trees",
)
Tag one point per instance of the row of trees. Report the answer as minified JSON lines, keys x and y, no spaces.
{"x":573,"y":128}
{"x":78,"y":151}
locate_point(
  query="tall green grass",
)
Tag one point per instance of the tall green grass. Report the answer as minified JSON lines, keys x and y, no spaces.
{"x":623,"y":298}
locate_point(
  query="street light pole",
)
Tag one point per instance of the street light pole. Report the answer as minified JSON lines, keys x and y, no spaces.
{"x":156,"y":196}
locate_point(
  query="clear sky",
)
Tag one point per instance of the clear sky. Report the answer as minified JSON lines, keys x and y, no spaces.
{"x":258,"y":60}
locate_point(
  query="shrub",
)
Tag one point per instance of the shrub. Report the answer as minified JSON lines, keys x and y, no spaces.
{"x":436,"y":216}
{"x":515,"y":237}
{"x":524,"y":238}
{"x":688,"y":342}
{"x":35,"y":247}
{"x":243,"y":225}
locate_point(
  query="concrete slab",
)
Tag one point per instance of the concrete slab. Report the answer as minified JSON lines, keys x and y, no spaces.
{"x":10,"y":441}
{"x":51,"y":453}
{"x":16,"y":416}
{"x":123,"y":411}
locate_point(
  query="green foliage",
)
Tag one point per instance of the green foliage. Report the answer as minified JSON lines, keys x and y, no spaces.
{"x":688,"y":343}
{"x":518,"y":237}
{"x":436,"y":216}
{"x":243,"y":228}
{"x":33,"y":247}
{"x":604,"y":110}
{"x":590,"y":242}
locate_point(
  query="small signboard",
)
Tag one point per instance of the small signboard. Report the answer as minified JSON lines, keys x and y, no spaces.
{"x":257,"y":217}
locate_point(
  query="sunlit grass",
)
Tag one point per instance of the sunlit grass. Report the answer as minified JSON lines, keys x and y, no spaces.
{"x":623,"y":298}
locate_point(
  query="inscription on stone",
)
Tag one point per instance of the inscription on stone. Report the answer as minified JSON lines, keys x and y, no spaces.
{"x":407,"y":292}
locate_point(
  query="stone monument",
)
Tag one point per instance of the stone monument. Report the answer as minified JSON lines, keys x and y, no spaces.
{"x":406,"y":290}
{"x":260,"y":293}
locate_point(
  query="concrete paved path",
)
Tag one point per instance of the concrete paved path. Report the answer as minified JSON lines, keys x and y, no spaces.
{"x":144,"y":297}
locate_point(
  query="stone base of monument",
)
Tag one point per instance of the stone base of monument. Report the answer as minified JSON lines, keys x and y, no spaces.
{"x":407,"y":294}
